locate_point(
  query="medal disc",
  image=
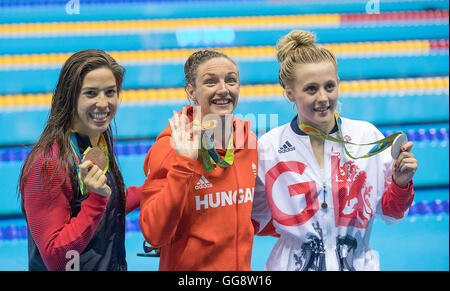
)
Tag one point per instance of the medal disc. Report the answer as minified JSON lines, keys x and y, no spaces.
{"x":399,"y":141}
{"x":324,"y":205}
{"x":209,"y":124}
{"x":96,"y":156}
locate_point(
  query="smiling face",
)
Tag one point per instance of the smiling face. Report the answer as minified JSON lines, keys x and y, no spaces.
{"x":97,"y":103}
{"x":315,"y":92}
{"x":216,"y":88}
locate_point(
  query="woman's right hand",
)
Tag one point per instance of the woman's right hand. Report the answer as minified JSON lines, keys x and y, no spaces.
{"x":93,"y":179}
{"x":185,"y":140}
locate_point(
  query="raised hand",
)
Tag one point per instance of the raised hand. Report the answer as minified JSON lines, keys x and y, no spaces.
{"x":186,"y":138}
{"x":405,"y":166}
{"x":93,"y":179}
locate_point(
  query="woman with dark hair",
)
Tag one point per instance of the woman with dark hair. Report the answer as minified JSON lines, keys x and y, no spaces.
{"x":75,"y":209}
{"x":197,"y":198}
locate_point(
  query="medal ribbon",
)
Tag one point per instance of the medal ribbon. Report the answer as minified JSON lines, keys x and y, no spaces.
{"x":210,"y":157}
{"x":74,"y":145}
{"x":379,"y":145}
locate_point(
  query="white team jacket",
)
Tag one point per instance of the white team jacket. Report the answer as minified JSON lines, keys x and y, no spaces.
{"x":291,"y":188}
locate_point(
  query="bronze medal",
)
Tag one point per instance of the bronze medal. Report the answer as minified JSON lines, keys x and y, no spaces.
{"x":97,"y":157}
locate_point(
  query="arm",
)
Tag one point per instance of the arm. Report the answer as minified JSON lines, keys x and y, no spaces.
{"x":397,"y":200}
{"x":261,"y":214}
{"x":169,"y":177}
{"x":163,"y":198}
{"x":133,"y":196}
{"x":47,"y":210}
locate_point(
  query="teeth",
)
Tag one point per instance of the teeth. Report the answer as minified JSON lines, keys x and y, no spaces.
{"x":321,"y":109}
{"x":99,"y":116}
{"x":220,"y":102}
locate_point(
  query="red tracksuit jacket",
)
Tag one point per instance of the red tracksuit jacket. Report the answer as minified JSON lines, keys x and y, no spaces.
{"x":200,"y":220}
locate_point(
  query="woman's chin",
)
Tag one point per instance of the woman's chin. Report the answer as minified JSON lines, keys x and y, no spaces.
{"x":222,"y":111}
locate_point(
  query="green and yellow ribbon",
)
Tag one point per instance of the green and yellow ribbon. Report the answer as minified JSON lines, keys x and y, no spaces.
{"x":379,"y":145}
{"x":74,"y":145}
{"x":209,"y":156}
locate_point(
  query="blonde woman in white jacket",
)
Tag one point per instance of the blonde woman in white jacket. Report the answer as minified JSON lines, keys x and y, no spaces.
{"x":317,"y":194}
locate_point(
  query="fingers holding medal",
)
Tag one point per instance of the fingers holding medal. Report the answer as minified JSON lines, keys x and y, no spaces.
{"x":405,"y":163}
{"x":92,"y":174}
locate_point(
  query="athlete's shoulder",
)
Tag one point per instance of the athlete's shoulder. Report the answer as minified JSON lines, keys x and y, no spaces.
{"x":356,"y":123}
{"x":275,"y":134}
{"x":269,"y":143}
{"x":359,"y":127}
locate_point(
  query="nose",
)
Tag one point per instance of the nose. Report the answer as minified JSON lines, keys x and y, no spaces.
{"x":222,"y":89}
{"x":322,"y":95}
{"x":102,"y":100}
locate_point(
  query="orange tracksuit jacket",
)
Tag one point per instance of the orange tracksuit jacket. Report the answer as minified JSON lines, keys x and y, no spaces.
{"x":200,"y":220}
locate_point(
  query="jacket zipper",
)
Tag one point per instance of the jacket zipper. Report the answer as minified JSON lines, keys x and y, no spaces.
{"x":237,"y":218}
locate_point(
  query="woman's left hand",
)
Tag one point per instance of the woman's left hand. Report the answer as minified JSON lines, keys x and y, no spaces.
{"x":405,"y":166}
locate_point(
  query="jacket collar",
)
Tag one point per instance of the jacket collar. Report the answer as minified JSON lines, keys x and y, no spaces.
{"x":296,"y":129}
{"x":83,"y":142}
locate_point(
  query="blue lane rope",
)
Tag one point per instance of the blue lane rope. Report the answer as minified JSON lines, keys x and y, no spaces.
{"x":142,"y":147}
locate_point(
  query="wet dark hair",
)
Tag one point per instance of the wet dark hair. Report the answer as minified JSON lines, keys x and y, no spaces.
{"x":62,"y":113}
{"x":198,"y":58}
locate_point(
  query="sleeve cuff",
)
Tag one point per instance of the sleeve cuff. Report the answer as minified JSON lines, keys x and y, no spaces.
{"x":402,"y":191}
{"x":397,"y":188}
{"x":97,"y":199}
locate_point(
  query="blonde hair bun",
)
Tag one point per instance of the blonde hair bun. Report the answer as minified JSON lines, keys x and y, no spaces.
{"x":292,"y":41}
{"x":299,"y":47}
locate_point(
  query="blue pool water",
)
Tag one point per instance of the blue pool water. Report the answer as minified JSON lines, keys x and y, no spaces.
{"x":419,"y":242}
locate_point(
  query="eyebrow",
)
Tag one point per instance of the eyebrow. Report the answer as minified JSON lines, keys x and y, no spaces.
{"x":214,"y":75}
{"x":318,"y":84}
{"x":209,"y":75}
{"x":96,"y":88}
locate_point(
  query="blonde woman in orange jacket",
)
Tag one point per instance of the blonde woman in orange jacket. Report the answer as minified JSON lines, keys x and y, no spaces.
{"x":196,"y":204}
